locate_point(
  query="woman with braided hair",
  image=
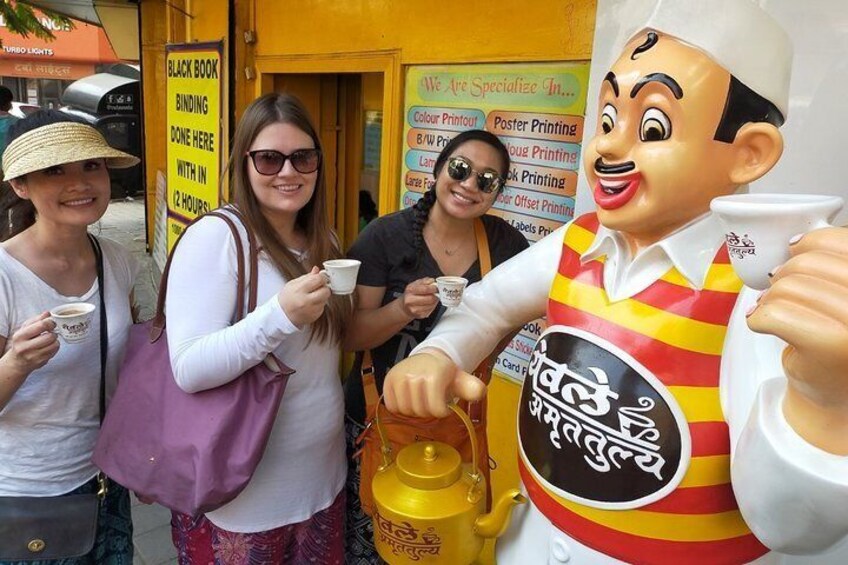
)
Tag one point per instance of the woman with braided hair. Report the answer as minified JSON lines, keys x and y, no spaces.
{"x":402,"y":254}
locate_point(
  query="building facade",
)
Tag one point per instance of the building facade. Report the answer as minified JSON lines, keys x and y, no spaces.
{"x":38,"y":71}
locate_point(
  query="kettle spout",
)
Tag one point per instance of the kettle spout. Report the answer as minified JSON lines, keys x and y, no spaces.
{"x":494,"y":523}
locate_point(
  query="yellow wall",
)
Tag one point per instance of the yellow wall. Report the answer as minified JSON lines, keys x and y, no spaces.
{"x":430,"y":31}
{"x":209,"y":20}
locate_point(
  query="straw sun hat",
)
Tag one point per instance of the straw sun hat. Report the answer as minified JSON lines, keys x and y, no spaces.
{"x":58,"y":144}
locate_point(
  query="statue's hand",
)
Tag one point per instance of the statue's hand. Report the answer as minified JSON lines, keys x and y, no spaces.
{"x":423,"y":384}
{"x":807,"y":306}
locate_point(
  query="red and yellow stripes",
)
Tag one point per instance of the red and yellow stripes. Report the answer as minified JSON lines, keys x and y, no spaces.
{"x":658,"y":538}
{"x":677,"y":332}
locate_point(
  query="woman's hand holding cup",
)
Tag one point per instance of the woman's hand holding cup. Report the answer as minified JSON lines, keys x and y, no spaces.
{"x":32,"y":345}
{"x":419,"y":298}
{"x":303,"y":299}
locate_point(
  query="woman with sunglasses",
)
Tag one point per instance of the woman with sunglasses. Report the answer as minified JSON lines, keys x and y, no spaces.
{"x":292,"y":510}
{"x":402,"y":254}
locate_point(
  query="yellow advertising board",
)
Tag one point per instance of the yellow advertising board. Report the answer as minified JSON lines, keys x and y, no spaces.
{"x":537,"y":111}
{"x":194,"y":86}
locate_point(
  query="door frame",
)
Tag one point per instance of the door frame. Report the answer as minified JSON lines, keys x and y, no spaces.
{"x":386,"y":62}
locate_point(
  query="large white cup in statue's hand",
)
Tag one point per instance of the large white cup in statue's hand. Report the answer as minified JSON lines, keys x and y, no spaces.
{"x":759,"y":227}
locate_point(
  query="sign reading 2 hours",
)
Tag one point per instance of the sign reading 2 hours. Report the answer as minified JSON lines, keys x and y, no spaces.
{"x":194,"y":132}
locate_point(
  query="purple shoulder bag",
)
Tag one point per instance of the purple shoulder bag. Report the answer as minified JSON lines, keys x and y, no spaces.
{"x":191,"y":453}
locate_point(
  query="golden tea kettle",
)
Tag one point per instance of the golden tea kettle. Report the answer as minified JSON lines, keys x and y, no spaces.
{"x":430,"y":506}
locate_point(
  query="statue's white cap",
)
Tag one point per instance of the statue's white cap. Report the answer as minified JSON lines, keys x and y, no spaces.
{"x":737,"y":34}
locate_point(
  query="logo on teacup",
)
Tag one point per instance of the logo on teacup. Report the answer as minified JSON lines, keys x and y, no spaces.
{"x":78,"y":328}
{"x":738,"y":246}
{"x":452,"y":293}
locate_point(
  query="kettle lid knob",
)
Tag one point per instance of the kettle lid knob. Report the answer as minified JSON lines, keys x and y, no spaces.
{"x":430,"y":453}
{"x":429,"y":465}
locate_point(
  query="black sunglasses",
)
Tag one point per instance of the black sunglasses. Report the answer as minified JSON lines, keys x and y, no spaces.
{"x":270,"y":162}
{"x":488,"y":180}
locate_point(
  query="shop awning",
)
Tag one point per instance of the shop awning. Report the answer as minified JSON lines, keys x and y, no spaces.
{"x":119,"y":19}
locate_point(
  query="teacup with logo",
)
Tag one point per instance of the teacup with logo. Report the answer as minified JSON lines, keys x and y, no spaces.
{"x":758,"y":228}
{"x":451,"y":290}
{"x":73,"y":321}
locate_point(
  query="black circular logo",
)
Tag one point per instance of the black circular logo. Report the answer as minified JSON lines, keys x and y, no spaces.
{"x":596,"y":426}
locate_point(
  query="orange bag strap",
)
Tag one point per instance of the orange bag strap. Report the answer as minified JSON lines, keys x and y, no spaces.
{"x":372,"y":397}
{"x":369,"y":385}
{"x":483,"y":371}
{"x":483,"y":254}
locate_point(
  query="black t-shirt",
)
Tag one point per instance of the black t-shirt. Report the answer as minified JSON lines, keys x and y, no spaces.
{"x":383,"y":247}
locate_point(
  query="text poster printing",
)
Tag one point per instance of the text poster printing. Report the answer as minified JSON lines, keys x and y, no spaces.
{"x":537,"y":111}
{"x":193,"y":132}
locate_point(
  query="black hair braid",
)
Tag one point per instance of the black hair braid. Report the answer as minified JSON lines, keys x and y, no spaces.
{"x":421,"y":212}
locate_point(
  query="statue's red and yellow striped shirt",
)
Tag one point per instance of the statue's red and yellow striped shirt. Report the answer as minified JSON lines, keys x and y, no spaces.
{"x":677,"y":332}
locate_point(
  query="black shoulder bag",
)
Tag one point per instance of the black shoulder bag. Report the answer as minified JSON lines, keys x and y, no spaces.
{"x":58,"y":527}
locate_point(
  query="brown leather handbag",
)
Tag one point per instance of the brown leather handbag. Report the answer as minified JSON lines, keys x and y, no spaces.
{"x":51,"y":527}
{"x":403,"y":430}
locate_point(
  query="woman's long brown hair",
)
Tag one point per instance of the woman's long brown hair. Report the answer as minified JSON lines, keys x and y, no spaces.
{"x":312,"y":219}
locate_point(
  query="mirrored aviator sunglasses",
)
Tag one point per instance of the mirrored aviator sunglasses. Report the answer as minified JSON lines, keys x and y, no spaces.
{"x":459,"y":169}
{"x":270,"y":162}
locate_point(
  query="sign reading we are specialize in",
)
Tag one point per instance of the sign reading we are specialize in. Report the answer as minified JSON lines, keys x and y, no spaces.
{"x":194,"y":132}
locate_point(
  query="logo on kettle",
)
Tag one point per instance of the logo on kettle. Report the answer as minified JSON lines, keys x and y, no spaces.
{"x":405,"y":539}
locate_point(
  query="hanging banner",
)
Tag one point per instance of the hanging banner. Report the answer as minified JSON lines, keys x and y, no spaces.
{"x":194,"y":85}
{"x":537,"y":111}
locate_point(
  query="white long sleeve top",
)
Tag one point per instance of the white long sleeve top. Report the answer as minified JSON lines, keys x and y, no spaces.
{"x":793,"y":496}
{"x":304,"y":465}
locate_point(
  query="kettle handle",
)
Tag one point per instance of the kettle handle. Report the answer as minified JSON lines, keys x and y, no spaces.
{"x":475,"y":470}
{"x":386,"y":447}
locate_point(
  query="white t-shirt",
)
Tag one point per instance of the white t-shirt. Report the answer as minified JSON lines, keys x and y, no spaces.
{"x":49,"y":427}
{"x":304,"y":464}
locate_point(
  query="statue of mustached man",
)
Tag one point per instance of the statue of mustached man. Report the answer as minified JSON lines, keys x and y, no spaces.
{"x":663,"y":418}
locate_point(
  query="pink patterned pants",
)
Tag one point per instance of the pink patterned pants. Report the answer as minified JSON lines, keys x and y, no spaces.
{"x":320,"y":539}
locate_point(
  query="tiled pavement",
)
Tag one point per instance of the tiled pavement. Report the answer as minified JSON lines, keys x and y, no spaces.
{"x":124,"y":223}
{"x":152,"y":535}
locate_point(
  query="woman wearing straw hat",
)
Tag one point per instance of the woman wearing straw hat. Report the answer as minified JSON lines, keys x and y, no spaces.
{"x":57,"y":185}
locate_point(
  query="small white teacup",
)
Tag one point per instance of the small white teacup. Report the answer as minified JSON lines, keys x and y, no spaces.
{"x":73,"y":321}
{"x":450,"y":290}
{"x":341,"y":275}
{"x":758,"y":228}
